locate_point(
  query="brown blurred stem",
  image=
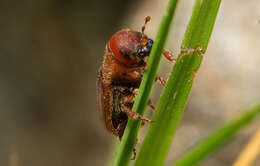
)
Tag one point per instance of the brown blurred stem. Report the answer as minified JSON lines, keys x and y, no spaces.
{"x":250,"y":152}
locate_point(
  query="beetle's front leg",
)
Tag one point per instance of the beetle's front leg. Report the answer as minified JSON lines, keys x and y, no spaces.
{"x":169,"y":55}
{"x":161,"y":80}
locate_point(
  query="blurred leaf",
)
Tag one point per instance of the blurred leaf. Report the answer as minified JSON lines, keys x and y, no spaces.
{"x":217,"y":138}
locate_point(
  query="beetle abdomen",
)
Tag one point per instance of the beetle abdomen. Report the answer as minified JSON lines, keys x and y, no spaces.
{"x":109,"y":106}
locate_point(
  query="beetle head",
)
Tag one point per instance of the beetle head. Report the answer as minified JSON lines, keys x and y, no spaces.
{"x":130,"y":47}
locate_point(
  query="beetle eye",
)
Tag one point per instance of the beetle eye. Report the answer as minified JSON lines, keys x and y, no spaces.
{"x":142,"y":51}
{"x":145,"y":50}
{"x":149,"y":43}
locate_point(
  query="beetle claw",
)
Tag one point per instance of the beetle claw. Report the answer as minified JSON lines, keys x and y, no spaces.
{"x":161,"y":80}
{"x":134,"y":154}
{"x":150,"y":104}
{"x":169,"y":55}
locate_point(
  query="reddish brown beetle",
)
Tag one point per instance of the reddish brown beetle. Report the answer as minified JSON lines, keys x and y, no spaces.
{"x":120,"y":75}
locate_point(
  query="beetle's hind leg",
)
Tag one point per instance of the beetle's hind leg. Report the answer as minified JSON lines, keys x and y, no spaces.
{"x":134,"y":115}
{"x":127,"y":103}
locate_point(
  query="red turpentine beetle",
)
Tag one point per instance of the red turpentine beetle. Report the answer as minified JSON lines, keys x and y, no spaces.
{"x":120,"y":75}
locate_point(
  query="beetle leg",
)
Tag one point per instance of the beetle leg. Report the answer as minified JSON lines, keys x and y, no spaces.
{"x":161,"y":80}
{"x":131,"y":98}
{"x":135,"y":91}
{"x":133,"y":115}
{"x":128,"y":99}
{"x":134,"y":154}
{"x":150,"y":104}
{"x":134,"y":150}
{"x":169,"y":55}
{"x":133,"y":74}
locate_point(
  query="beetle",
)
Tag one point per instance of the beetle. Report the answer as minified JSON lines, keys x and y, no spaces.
{"x":120,"y":75}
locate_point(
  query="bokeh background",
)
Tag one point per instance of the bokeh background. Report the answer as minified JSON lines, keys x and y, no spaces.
{"x":50,"y":51}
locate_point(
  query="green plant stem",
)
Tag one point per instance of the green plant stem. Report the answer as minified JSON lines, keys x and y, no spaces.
{"x":213,"y":141}
{"x":130,"y":133}
{"x":173,"y":100}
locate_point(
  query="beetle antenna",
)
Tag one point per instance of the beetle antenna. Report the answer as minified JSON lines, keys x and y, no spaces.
{"x":147,"y":19}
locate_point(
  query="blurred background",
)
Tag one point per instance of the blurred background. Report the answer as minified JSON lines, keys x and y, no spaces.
{"x":49,"y":56}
